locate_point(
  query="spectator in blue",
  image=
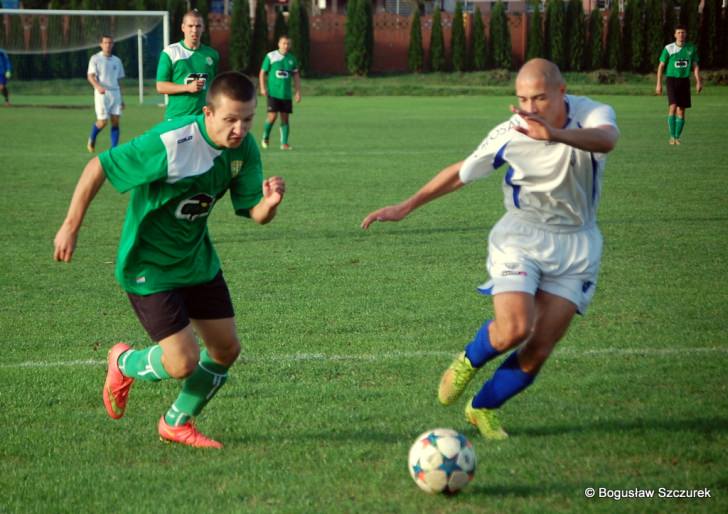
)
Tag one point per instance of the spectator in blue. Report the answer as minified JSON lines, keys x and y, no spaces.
{"x":6,"y":71}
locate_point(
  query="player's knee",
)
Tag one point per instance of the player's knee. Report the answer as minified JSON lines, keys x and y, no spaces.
{"x":182,"y":366}
{"x":511,"y":333}
{"x":228,"y":353}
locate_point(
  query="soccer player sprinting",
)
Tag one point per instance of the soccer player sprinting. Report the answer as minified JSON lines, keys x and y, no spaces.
{"x":679,"y":59}
{"x":104,"y":72}
{"x":185,"y":68}
{"x":279,"y":69}
{"x":544,"y":253}
{"x":175,"y":173}
{"x":6,"y":71}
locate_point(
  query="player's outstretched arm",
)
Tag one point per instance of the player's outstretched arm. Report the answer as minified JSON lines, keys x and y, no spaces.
{"x":88,"y":185}
{"x":446,"y":181}
{"x":274,"y":188}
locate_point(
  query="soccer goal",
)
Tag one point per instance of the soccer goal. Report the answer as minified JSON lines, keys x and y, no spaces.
{"x":46,"y":32}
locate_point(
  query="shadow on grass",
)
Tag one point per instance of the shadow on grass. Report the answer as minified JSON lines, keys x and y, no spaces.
{"x":710,"y":425}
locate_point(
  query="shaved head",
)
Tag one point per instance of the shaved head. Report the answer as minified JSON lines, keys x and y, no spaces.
{"x":540,"y":69}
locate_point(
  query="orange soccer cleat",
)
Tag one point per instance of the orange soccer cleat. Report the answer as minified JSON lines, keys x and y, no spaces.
{"x":117,"y":386}
{"x":185,"y":434}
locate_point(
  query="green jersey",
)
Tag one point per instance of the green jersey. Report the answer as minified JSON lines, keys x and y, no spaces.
{"x":679,"y":60}
{"x":181,"y":65}
{"x":280,"y":69}
{"x":176,"y":174}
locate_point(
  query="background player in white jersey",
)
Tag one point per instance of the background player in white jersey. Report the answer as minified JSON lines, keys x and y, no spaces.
{"x":104,"y":72}
{"x":544,"y":253}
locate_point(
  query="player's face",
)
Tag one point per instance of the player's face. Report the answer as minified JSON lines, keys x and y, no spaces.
{"x":230,"y":121}
{"x":284,"y":44}
{"x":536,"y":97}
{"x":192,"y":28}
{"x":106,"y":45}
{"x":680,"y":37}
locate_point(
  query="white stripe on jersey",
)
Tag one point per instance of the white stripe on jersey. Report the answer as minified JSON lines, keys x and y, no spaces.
{"x":188,"y":153}
{"x":177,"y":52}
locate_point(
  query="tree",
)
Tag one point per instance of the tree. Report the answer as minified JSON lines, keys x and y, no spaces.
{"x":614,"y":40}
{"x":298,"y":31}
{"x":500,"y":37}
{"x":204,"y":10}
{"x":177,"y":10}
{"x":596,"y":36}
{"x":653,"y":25}
{"x":259,"y":40}
{"x":709,"y":30}
{"x":437,"y":44}
{"x":280,"y":28}
{"x":457,"y":42}
{"x":240,"y":36}
{"x":638,"y":29}
{"x":415,"y":52}
{"x":358,"y":42}
{"x":534,"y":46}
{"x":689,"y":17}
{"x":554,"y":37}
{"x":669,"y":23}
{"x":480,"y":51}
{"x":576,"y":35}
{"x":723,"y":40}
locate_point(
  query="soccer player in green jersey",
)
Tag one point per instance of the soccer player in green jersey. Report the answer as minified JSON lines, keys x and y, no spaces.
{"x":185,"y":68}
{"x":176,"y":173}
{"x":279,"y":69}
{"x":679,"y":58}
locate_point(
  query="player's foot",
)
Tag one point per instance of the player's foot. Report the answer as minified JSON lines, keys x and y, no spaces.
{"x":455,"y":378}
{"x":264,"y":143}
{"x":90,"y":145}
{"x":677,"y":141}
{"x":486,"y":421}
{"x":286,"y":147}
{"x":671,"y":141}
{"x":117,"y":386}
{"x":185,"y":434}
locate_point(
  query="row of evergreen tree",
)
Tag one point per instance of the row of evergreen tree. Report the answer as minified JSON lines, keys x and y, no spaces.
{"x":564,"y":34}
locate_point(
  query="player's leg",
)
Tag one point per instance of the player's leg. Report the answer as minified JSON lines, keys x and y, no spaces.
{"x":679,"y":123}
{"x":671,"y":122}
{"x":270,"y":119}
{"x":4,"y":91}
{"x":285,"y":128}
{"x":102,"y":116}
{"x":115,"y":130}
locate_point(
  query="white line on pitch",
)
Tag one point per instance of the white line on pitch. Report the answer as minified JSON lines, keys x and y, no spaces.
{"x":373,"y":357}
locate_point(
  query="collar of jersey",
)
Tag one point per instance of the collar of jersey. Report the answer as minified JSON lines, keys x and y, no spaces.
{"x":200,"y":119}
{"x":182,"y":44}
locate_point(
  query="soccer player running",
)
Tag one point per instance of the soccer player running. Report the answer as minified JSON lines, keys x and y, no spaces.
{"x":166,"y":263}
{"x":544,"y":253}
{"x":104,"y":72}
{"x":6,"y":71}
{"x":185,"y":68}
{"x":279,"y":67}
{"x":679,"y":58}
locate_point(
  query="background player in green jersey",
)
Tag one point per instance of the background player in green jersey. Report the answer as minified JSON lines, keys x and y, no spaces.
{"x":166,"y":263}
{"x":679,"y":58}
{"x":279,"y":68}
{"x":185,"y":68}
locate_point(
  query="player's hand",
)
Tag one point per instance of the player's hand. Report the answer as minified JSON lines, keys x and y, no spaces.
{"x":658,"y":90}
{"x":196,"y":86}
{"x":263,"y":91}
{"x":101,"y":90}
{"x":389,"y":213}
{"x":273,"y":190}
{"x":699,"y":87}
{"x":64,"y":244}
{"x":298,"y":98}
{"x":536,"y":127}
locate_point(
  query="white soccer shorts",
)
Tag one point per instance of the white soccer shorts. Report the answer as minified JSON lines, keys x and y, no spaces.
{"x":524,"y":258}
{"x":108,"y":104}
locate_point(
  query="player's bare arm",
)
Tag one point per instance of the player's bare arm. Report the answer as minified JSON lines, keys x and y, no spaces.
{"x":274,"y":188}
{"x":263,"y":79}
{"x":95,"y":84}
{"x":600,"y":139}
{"x":446,"y":181}
{"x":658,"y":87}
{"x":170,"y":88}
{"x":88,"y":185}
{"x":297,"y":86}
{"x":698,"y":80}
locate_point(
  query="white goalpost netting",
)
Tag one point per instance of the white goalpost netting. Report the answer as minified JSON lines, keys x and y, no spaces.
{"x":48,"y":32}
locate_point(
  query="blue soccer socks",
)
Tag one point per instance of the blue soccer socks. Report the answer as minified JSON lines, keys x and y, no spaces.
{"x":506,"y":382}
{"x":479,"y":351}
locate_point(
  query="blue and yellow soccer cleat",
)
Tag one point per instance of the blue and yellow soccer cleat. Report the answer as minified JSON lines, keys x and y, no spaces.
{"x":486,"y":421}
{"x":455,"y":378}
{"x":117,"y":386}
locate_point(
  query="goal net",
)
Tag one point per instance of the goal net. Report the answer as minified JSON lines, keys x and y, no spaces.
{"x":51,"y":44}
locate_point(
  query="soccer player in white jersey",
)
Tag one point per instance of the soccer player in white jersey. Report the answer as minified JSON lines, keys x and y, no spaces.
{"x":104,"y":72}
{"x":544,"y":253}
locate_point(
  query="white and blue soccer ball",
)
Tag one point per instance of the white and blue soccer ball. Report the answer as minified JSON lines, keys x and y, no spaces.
{"x":442,"y":460}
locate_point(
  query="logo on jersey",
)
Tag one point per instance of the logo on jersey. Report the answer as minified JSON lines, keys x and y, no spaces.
{"x":209,"y":61}
{"x":681,"y":63}
{"x":198,"y":206}
{"x":282,"y":74}
{"x":196,"y":76}
{"x":184,"y":140}
{"x":235,"y":167}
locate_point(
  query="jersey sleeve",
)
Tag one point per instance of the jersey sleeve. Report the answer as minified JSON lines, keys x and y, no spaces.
{"x":599,"y":115}
{"x":664,"y":56}
{"x":122,"y":73}
{"x":164,"y":68}
{"x":92,"y":66}
{"x":140,"y":161}
{"x":266,"y":64}
{"x":246,"y":189}
{"x":489,"y":155}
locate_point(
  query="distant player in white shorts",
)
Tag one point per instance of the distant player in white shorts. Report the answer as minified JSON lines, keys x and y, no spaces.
{"x":544,"y":253}
{"x":104,"y":72}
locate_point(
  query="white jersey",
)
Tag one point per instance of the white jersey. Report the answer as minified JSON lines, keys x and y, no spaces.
{"x":552,"y":185}
{"x":107,"y":70}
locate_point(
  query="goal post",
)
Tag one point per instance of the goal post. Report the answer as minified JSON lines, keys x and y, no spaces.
{"x":26,"y":32}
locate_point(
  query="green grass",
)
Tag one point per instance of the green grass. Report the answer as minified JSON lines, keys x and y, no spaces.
{"x":346,"y":332}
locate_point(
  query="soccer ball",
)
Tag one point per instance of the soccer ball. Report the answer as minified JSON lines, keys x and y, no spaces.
{"x":442,"y":460}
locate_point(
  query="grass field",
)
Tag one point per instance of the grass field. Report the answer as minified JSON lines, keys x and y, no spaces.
{"x":346,"y":332}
